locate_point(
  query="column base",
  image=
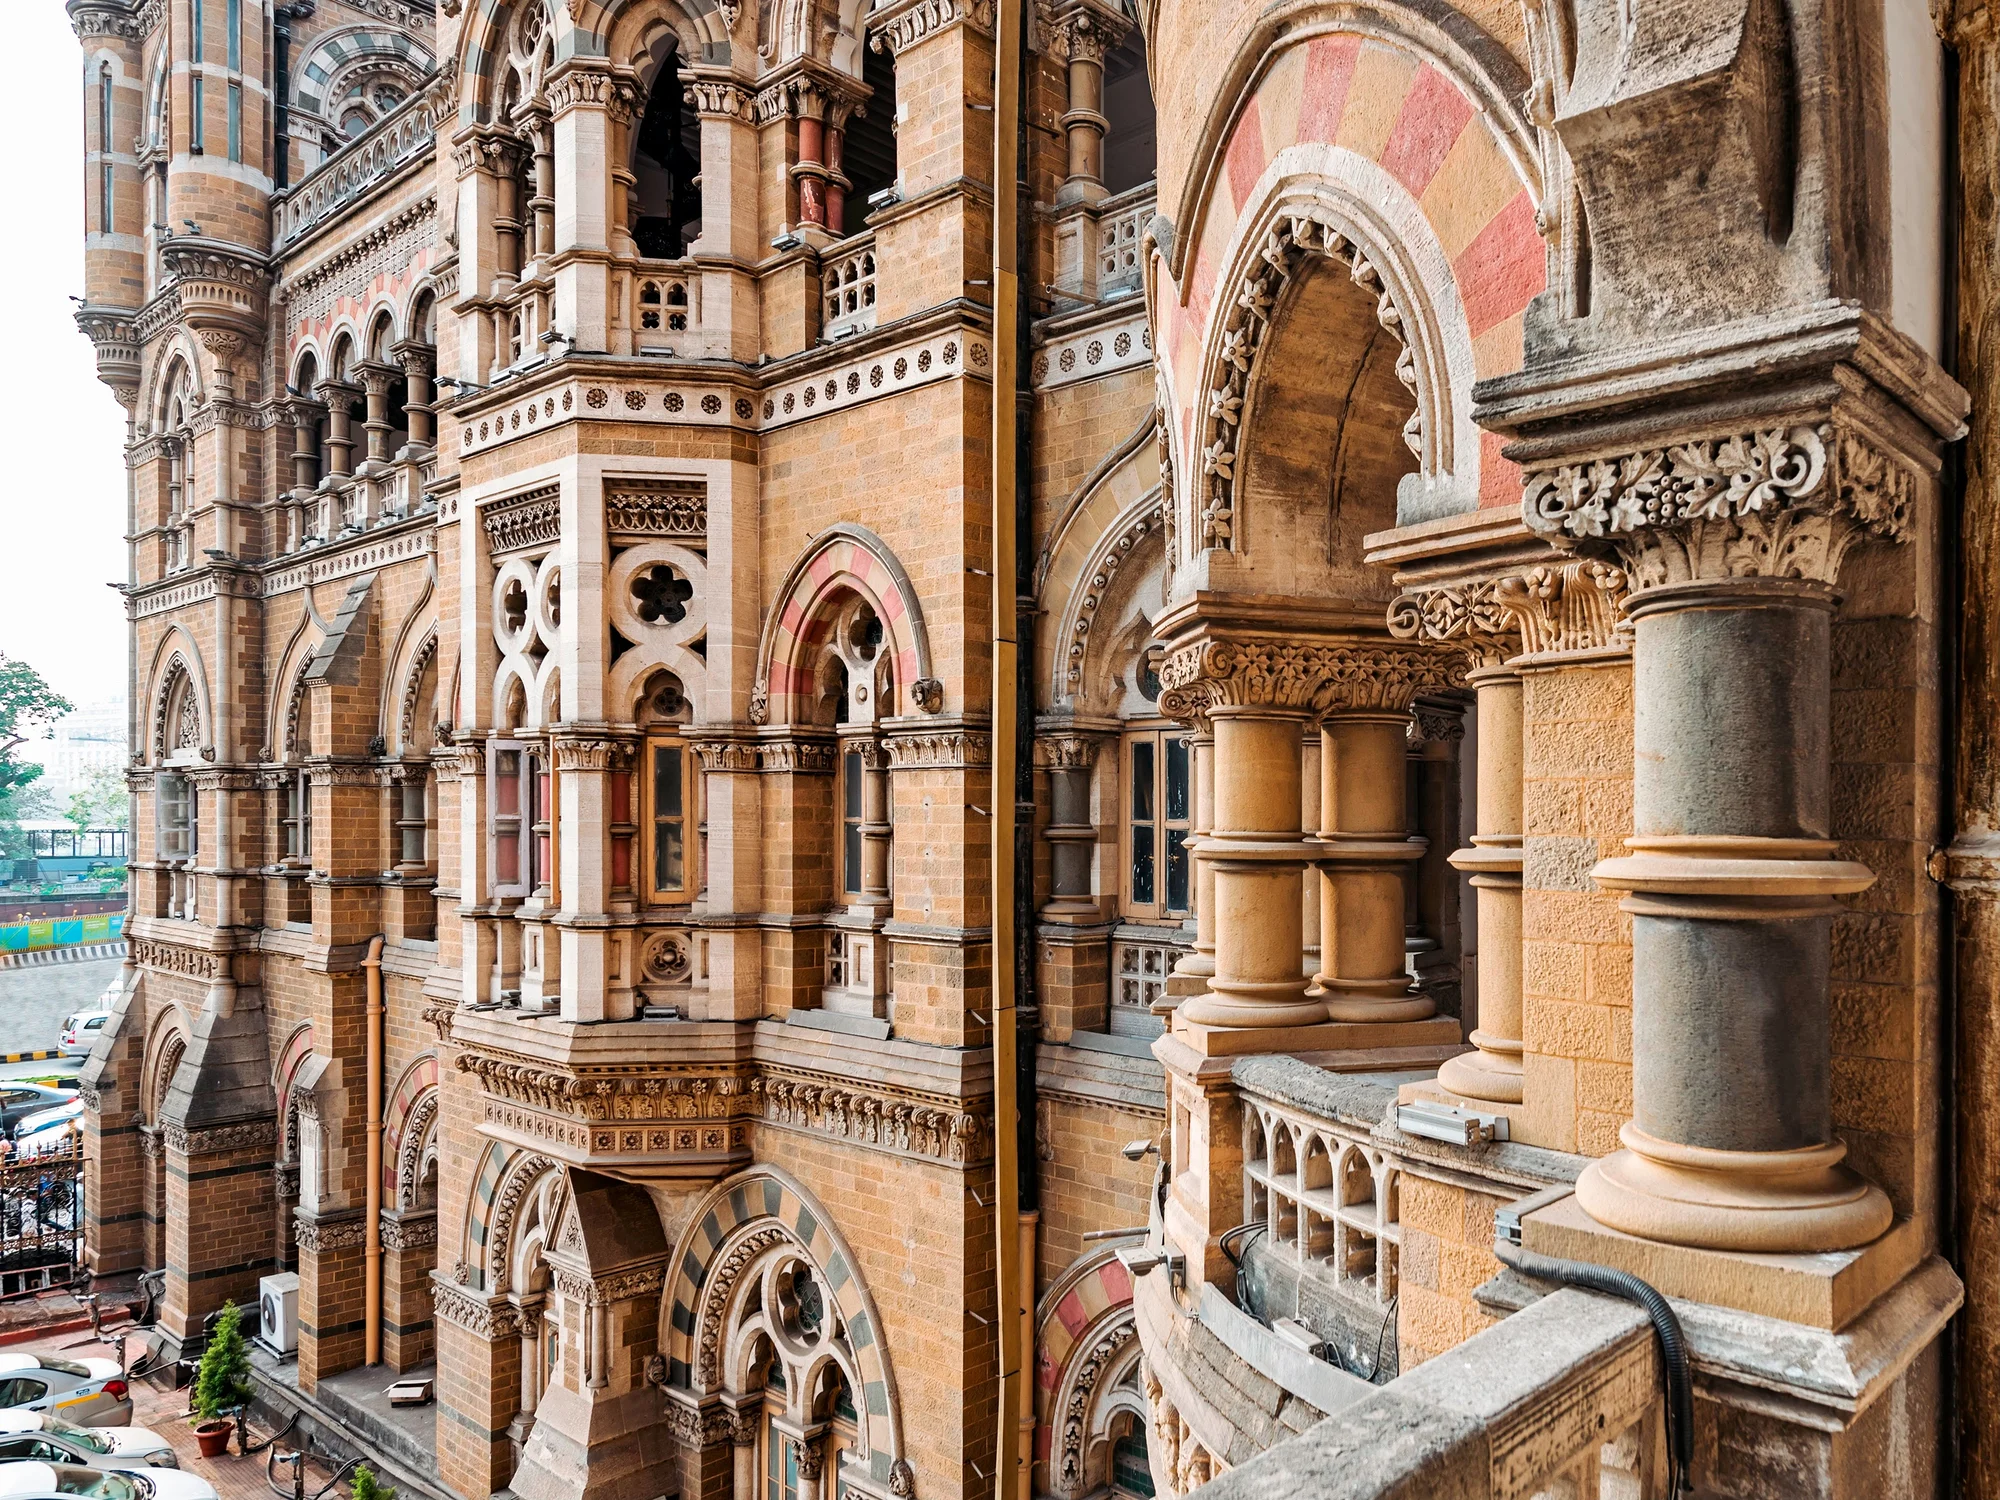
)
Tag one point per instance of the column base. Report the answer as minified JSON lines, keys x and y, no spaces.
{"x":1488,"y":1076}
{"x":1212,"y":1008}
{"x":1773,"y":1202}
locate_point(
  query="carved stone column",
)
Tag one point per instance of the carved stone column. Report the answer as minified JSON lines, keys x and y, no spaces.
{"x":375,"y":382}
{"x":1192,"y":973}
{"x":1257,"y":694}
{"x":339,"y":398}
{"x":419,"y":363}
{"x":1734,"y":543}
{"x":1081,"y":34}
{"x":1071,"y":835}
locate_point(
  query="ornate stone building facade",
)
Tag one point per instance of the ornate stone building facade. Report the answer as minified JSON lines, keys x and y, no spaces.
{"x":1490,"y":597}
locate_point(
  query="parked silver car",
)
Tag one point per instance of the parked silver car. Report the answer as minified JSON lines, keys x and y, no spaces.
{"x":52,"y":1439}
{"x":35,"y":1481}
{"x":90,"y":1391}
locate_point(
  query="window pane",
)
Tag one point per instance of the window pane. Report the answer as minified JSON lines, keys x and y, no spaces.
{"x":1177,"y":778}
{"x":507,"y":858}
{"x":667,"y":856}
{"x":666,"y":781}
{"x":1177,"y":870}
{"x":507,"y":782}
{"x":851,"y":794}
{"x":1142,"y":779}
{"x":1142,"y":865}
{"x":851,"y":858}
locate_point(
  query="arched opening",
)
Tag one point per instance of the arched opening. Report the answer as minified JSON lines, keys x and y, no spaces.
{"x":868,"y":155}
{"x":666,"y":209}
{"x":1129,"y":140}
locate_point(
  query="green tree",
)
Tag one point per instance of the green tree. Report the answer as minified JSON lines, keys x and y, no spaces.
{"x":101,"y":801}
{"x":28,"y":705}
{"x":223,"y":1380}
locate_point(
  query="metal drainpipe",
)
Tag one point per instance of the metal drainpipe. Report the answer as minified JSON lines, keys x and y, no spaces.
{"x":372,"y":1270}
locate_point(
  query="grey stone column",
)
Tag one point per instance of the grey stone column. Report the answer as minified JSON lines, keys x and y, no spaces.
{"x":1733,"y":873}
{"x":1071,"y":835}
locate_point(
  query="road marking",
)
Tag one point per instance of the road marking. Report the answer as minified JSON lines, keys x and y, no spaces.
{"x":43,"y":1056}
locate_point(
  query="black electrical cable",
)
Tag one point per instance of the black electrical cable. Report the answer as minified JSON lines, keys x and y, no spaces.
{"x":1666,"y":1327}
{"x":1247,"y":1231}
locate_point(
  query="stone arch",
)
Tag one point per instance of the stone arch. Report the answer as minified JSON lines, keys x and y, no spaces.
{"x":291,"y":1058}
{"x":741,"y":1225}
{"x":506,"y":1177}
{"x":411,"y":655}
{"x":180,"y":723}
{"x":625,"y":30}
{"x":843,"y":559}
{"x":1087,"y":1361}
{"x":338,"y":58}
{"x":1438,"y":219}
{"x":165,"y":1047}
{"x":177,"y":387}
{"x":410,"y":1133}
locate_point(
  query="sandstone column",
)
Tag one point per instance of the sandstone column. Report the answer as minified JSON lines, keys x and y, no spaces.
{"x":1493,"y":860}
{"x":1192,"y":973}
{"x":419,"y":363}
{"x":1071,"y":835}
{"x":1733,"y":873}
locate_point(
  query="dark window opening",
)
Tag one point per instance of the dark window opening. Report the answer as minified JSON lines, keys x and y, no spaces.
{"x":1128,"y":104}
{"x":868,"y":157}
{"x":666,"y":163}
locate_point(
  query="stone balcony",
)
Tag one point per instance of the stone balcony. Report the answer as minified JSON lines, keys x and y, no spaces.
{"x":664,"y":1101}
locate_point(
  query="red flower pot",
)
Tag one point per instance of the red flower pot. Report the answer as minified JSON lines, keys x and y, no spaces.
{"x":214,"y":1438}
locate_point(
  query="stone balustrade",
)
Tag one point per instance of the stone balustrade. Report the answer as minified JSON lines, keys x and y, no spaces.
{"x":406,"y":134}
{"x":1121,"y":221}
{"x":666,"y":303}
{"x":847,"y":280}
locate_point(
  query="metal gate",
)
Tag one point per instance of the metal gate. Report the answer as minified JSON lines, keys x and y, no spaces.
{"x":41,"y":1220}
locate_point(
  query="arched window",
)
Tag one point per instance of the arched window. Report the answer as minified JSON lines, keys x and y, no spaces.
{"x":666,"y":163}
{"x":667,"y":795}
{"x":1129,"y":140}
{"x":868,"y":151}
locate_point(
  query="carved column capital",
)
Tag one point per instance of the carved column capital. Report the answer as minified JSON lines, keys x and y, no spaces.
{"x":1070,"y":752}
{"x":1310,"y":679}
{"x":1781,"y":501}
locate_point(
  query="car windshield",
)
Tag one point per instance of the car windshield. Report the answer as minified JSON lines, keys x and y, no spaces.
{"x":102,"y":1484}
{"x":83,"y":1437}
{"x":65,"y":1367}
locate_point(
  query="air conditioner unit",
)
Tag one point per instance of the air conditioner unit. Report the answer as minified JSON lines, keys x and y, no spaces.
{"x":278,"y":1313}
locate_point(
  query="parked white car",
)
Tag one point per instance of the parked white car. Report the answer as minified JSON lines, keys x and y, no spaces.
{"x":79,"y":1032}
{"x":50,"y":1130}
{"x":36,"y":1481}
{"x":46,"y":1437}
{"x":88,"y":1392}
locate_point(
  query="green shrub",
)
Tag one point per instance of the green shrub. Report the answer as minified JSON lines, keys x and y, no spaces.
{"x":223,"y":1380}
{"x":365,"y":1486}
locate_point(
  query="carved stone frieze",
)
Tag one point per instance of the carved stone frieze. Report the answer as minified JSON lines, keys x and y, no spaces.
{"x":1436,"y":724}
{"x":1774,"y":502}
{"x":320,"y":1236}
{"x":903,"y":25}
{"x":585,"y":754}
{"x":813,"y":757}
{"x":1309,"y":678}
{"x":492,"y":1319}
{"x":416,"y":1233}
{"x":656,"y":507}
{"x":195,"y":963}
{"x":1545,"y":610}
{"x":533,"y":519}
{"x":940,"y":748}
{"x":252,"y":1135}
{"x":726,"y":755}
{"x":1070,"y":752}
{"x":699,"y":1427}
{"x":720,"y":97}
{"x":601,"y":1291}
{"x":940,"y":1131}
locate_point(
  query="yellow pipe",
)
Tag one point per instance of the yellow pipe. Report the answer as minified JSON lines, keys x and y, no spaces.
{"x":372,"y":1272}
{"x":1013,"y":1404}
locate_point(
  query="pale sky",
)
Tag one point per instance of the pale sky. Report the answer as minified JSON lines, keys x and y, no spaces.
{"x":62,"y":511}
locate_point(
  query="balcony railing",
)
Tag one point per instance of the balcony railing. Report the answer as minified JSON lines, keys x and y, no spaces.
{"x":1121,"y":222}
{"x":847,"y":279}
{"x":404,"y":134}
{"x":1559,"y":1399}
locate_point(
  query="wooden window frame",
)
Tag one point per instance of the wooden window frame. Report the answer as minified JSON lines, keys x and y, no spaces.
{"x":504,"y":826}
{"x":187,"y":826}
{"x":297,"y":821}
{"x":649,"y":823}
{"x":1164,"y":826}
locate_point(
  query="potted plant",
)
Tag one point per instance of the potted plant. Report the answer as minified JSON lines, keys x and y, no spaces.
{"x":365,"y":1486}
{"x":222,"y":1382}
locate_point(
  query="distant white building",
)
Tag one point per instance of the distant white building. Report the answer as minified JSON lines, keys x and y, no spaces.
{"x":92,"y":738}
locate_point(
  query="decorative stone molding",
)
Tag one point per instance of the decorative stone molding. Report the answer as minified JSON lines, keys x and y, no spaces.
{"x":904,"y":25}
{"x":656,"y":507}
{"x":1564,"y":609}
{"x":700,"y":1427}
{"x":491,"y":1319}
{"x":942,"y":748}
{"x":195,"y":963}
{"x":1112,"y":555}
{"x":941,"y":1132}
{"x":321,"y":1235}
{"x":151,"y":1145}
{"x":1310,"y":679}
{"x":532,"y":519}
{"x":1783,"y":502}
{"x":601,"y":1291}
{"x":1464,"y":615}
{"x":667,"y":958}
{"x":1092,"y":353}
{"x":726,"y":755}
{"x":285,"y":1181}
{"x":810,"y":757}
{"x":1067,"y":1466}
{"x":254,"y":1135}
{"x":1431,"y":724}
{"x":586,"y":754}
{"x":721,"y":98}
{"x":716,"y":1292}
{"x":1070,"y":752}
{"x":415,"y":1233}
{"x":1080,"y":31}
{"x":1286,"y":248}
{"x":577,"y":84}
{"x":107,"y":18}
{"x":807,"y":1455}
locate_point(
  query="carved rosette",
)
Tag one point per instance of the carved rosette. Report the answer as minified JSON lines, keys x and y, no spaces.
{"x":1775,"y":502}
{"x":1310,"y":680}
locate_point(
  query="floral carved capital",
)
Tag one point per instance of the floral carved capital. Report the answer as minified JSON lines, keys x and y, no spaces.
{"x":1777,"y":502}
{"x":1309,"y":679}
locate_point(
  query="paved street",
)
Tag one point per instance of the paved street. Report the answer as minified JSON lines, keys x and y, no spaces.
{"x":33,"y":1002}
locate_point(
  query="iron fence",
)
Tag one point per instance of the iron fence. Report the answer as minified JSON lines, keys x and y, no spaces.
{"x":41,"y":1220}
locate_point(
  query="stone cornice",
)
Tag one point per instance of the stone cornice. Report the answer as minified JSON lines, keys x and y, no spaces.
{"x":492,"y":1318}
{"x":939,"y":748}
{"x":903,"y":23}
{"x":1310,"y":679}
{"x":250,"y":1135}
